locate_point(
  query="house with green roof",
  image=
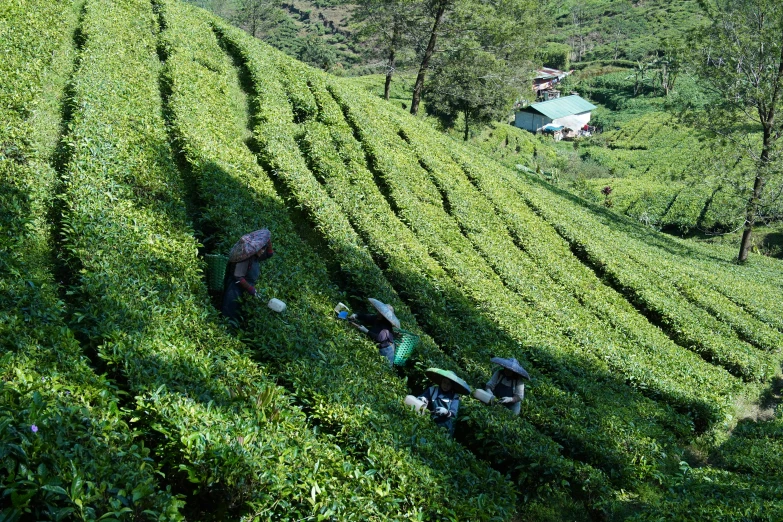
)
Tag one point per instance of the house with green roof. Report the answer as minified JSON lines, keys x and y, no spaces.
{"x":570,"y":112}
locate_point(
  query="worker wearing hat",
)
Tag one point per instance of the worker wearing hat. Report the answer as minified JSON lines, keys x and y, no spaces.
{"x":381,"y":327}
{"x":244,"y":267}
{"x":506,"y":383}
{"x":442,"y":399}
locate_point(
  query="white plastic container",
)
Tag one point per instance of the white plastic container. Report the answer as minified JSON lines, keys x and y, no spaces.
{"x":416,"y":404}
{"x":483,"y":395}
{"x":277,"y":305}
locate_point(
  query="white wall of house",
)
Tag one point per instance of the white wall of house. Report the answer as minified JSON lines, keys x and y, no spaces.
{"x":574,"y":121}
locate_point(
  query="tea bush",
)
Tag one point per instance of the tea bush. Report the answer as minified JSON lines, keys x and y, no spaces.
{"x":221,"y":429}
{"x":66,"y":447}
{"x":403,"y":461}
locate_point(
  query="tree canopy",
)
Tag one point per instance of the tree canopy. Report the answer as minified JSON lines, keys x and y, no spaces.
{"x":739,"y":60}
{"x":472,"y":83}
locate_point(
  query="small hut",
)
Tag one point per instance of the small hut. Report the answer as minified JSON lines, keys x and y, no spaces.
{"x":545,"y":80}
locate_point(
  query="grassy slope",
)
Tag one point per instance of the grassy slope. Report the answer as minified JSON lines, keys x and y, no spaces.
{"x":641,"y":25}
{"x":612,"y":319}
{"x":377,"y":126}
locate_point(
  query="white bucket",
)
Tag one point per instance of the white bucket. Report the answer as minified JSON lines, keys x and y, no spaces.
{"x":483,"y":395}
{"x":416,"y":404}
{"x":277,"y":305}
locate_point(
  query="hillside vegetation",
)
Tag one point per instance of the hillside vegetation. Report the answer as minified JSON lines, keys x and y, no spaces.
{"x":621,"y":29}
{"x":663,"y":172}
{"x":151,"y":133}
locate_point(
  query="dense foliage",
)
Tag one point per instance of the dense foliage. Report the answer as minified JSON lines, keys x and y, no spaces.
{"x":67,"y":448}
{"x":124,"y":395}
{"x":621,"y":29}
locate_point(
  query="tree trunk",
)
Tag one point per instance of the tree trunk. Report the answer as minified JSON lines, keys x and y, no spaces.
{"x":254,"y":20}
{"x":425,"y":62}
{"x":767,"y":121}
{"x":389,"y":73}
{"x":467,"y":130}
{"x":750,"y":218}
{"x":664,"y":80}
{"x":390,"y":67}
{"x":751,"y":209}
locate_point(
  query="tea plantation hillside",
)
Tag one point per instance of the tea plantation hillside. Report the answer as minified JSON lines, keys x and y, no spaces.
{"x":608,"y":30}
{"x":139,"y":136}
{"x":663,"y":171}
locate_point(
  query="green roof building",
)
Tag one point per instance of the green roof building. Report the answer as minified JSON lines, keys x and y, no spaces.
{"x":571,"y":112}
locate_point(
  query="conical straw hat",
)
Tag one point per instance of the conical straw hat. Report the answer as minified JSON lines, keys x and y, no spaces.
{"x":436,"y":375}
{"x":511,"y":364}
{"x":249,"y":245}
{"x":385,"y":310}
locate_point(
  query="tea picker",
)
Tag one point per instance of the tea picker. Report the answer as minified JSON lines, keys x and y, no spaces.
{"x":243,"y":269}
{"x":442,"y":400}
{"x":505,"y":384}
{"x":384,"y":329}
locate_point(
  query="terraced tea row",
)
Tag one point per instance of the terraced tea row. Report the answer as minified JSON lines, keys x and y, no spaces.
{"x":67,"y":447}
{"x":399,"y":460}
{"x":217,"y":424}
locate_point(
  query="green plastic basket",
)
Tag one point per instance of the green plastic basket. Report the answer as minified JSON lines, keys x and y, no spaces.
{"x":216,"y":271}
{"x":404,"y":348}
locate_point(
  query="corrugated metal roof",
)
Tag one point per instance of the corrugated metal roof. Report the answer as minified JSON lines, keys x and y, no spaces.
{"x":548,"y":72}
{"x":566,"y":106}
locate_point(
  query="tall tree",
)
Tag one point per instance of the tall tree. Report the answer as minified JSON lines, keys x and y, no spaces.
{"x":668,"y":63}
{"x":639,"y":75}
{"x":253,"y":13}
{"x":392,"y":26}
{"x":472,"y":83}
{"x":739,"y":58}
{"x":578,"y":19}
{"x":509,"y":30}
{"x":437,"y":10}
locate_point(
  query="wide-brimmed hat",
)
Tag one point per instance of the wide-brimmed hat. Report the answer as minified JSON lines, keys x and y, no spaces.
{"x":436,"y":375}
{"x":511,"y":364}
{"x":386,"y":311}
{"x":249,"y":245}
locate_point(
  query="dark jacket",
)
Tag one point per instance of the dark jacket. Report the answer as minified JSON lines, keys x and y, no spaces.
{"x":449,"y":400}
{"x":239,"y":278}
{"x":379,"y":329}
{"x":381,"y":332}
